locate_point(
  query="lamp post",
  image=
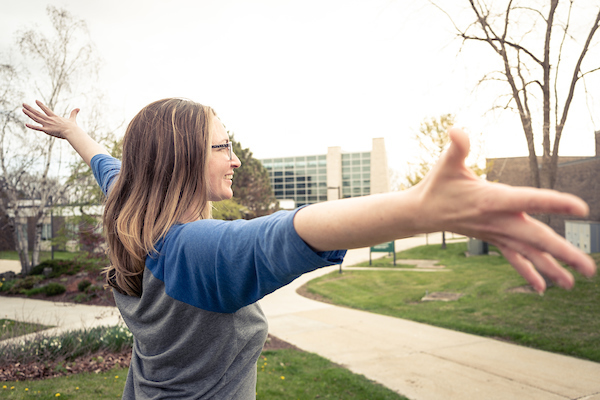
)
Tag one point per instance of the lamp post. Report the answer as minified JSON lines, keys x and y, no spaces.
{"x":49,"y":204}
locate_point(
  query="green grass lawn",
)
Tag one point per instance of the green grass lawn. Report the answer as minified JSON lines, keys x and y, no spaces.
{"x":44,"y":255}
{"x":282,"y":374}
{"x":106,"y":385}
{"x":561,"y":321}
{"x":10,"y":328}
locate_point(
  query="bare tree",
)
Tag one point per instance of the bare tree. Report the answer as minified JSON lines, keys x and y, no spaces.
{"x":542,"y":50}
{"x":61,"y":59}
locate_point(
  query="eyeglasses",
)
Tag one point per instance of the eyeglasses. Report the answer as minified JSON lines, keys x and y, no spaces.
{"x":228,"y":145}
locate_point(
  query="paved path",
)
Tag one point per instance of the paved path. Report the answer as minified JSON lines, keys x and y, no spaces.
{"x":10,"y":265}
{"x":420,"y":361}
{"x":63,"y":317}
{"x":417,"y":360}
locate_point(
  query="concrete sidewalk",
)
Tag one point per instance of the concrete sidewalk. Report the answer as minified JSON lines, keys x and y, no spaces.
{"x":63,"y":317}
{"x":423,"y":362}
{"x":419,"y":361}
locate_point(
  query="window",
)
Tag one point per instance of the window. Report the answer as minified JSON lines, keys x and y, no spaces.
{"x":46,"y":232}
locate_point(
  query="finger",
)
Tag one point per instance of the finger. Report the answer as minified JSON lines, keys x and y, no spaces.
{"x":34,"y":127}
{"x":523,"y":233}
{"x":546,"y":265}
{"x":525,"y":268}
{"x":74,"y":113}
{"x":33,"y":113}
{"x":45,"y":109}
{"x":34,"y":118}
{"x":459,"y":146}
{"x":549,"y":267}
{"x":45,"y":130}
{"x":533,"y":201}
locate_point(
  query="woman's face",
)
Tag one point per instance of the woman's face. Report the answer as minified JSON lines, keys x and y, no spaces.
{"x":220,"y":167}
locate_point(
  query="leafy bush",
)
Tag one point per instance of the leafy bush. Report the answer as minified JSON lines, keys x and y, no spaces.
{"x":51,"y":289}
{"x":6,"y":286}
{"x":34,"y":291}
{"x":26,"y":283}
{"x":59,"y":268}
{"x":81,"y":298}
{"x":83,"y":285}
{"x":54,"y":289}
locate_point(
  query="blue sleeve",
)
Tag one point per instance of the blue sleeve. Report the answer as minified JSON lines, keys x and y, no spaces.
{"x":222,"y":266}
{"x":105,"y":169}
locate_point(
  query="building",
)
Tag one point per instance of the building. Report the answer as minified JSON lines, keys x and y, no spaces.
{"x":301,"y":180}
{"x":55,"y":219}
{"x":576,"y":175}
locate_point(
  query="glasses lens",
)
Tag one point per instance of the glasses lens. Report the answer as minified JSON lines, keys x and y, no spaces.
{"x":230,"y":151}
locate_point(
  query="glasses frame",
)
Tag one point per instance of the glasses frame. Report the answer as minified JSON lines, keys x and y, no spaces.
{"x":229,"y":145}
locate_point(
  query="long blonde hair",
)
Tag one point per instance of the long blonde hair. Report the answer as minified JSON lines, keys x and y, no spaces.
{"x":163,"y":176}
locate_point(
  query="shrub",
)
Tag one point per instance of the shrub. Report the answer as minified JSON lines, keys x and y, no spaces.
{"x":59,"y":267}
{"x":51,"y":289}
{"x":6,"y":286}
{"x":92,"y":289}
{"x":83,"y":285}
{"x":81,"y":298}
{"x":26,"y":283}
{"x":54,"y":289}
{"x":34,"y":291}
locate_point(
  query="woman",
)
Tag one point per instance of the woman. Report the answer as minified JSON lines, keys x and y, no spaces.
{"x":187,"y":285}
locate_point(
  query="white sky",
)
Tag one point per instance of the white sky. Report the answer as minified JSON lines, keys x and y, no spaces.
{"x":294,"y":77}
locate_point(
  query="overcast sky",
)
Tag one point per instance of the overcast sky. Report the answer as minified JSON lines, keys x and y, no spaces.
{"x":294,"y":77}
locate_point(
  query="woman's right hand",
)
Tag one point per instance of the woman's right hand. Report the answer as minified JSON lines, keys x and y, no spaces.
{"x":51,"y":123}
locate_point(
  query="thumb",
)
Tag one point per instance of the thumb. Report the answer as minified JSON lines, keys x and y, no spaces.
{"x":74,"y":114}
{"x":459,"y":147}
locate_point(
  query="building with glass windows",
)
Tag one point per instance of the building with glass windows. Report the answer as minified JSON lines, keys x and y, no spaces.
{"x":317,"y":178}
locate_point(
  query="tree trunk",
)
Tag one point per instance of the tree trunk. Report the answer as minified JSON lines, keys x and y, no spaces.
{"x":20,"y":244}
{"x":37,"y":240}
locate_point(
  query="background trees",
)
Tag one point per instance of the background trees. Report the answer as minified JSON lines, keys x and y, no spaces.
{"x":433,"y":139}
{"x":542,"y":48}
{"x":32,"y":164}
{"x":251,"y":185}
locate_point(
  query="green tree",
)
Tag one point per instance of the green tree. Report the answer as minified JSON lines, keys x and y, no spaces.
{"x":251,"y":186}
{"x":84,"y":188}
{"x":228,"y":210}
{"x":433,"y":139}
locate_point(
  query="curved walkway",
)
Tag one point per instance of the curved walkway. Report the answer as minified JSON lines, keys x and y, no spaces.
{"x":419,"y":361}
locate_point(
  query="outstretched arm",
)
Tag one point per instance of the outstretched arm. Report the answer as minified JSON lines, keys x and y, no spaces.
{"x":64,"y":128}
{"x":451,"y":198}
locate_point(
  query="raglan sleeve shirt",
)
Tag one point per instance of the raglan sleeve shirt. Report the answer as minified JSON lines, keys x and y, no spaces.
{"x":222,"y":266}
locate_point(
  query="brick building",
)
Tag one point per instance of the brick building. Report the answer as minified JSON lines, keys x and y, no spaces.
{"x":576,"y":175}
